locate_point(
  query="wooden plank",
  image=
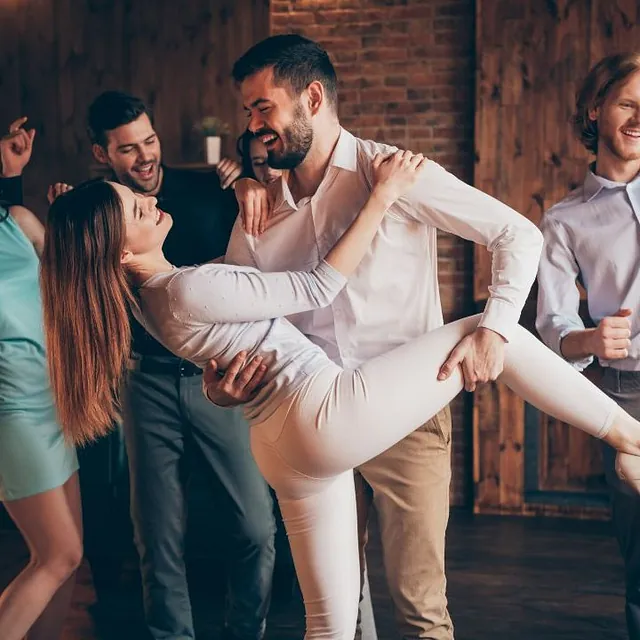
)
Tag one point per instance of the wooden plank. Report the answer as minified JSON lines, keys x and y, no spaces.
{"x":39,"y":89}
{"x":486,"y":442}
{"x":614,"y":27}
{"x":10,"y":88}
{"x":531,"y":56}
{"x":511,"y":450}
{"x":58,"y":55}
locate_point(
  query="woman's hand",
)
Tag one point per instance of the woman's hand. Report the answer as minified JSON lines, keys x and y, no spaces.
{"x":395,"y":175}
{"x":254,"y":204}
{"x":56,"y":190}
{"x":228,"y":171}
{"x":16,"y":148}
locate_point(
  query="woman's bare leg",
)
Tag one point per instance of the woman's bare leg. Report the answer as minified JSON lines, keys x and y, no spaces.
{"x":52,"y":619}
{"x":50,"y":523}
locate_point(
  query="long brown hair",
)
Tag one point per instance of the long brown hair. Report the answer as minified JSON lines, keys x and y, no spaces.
{"x":605,"y":74}
{"x":86,"y":298}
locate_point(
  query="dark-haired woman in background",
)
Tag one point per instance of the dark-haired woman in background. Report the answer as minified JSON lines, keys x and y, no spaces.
{"x":253,"y":154}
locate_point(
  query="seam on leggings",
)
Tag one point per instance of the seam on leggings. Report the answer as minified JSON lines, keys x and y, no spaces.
{"x":290,"y":467}
{"x":608,"y":423}
{"x":299,"y":392}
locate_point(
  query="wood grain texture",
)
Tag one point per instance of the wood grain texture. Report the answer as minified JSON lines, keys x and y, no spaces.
{"x":56,"y":56}
{"x":531,"y":58}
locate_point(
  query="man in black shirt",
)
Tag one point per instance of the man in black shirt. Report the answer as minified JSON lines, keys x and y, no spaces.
{"x":166,"y":415}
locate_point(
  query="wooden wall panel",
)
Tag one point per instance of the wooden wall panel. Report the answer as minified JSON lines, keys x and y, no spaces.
{"x":531,"y":58}
{"x":57,"y":55}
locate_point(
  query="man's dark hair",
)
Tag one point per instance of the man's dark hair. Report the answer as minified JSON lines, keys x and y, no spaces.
{"x":295,"y":60}
{"x":110,"y":110}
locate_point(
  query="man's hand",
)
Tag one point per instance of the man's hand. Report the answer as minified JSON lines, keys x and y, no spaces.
{"x":254,"y":204}
{"x":16,"y":148}
{"x":239,"y":383}
{"x":228,"y":171}
{"x":481,"y":355}
{"x":610,"y":340}
{"x":56,"y":190}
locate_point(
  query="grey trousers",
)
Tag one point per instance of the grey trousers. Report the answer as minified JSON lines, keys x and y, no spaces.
{"x":624,"y":388}
{"x":167,"y":419}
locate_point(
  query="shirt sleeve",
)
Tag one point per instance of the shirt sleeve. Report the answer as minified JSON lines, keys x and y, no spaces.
{"x":443,"y":201}
{"x":558,"y":295}
{"x":11,"y":190}
{"x":239,"y":251}
{"x":222,"y":294}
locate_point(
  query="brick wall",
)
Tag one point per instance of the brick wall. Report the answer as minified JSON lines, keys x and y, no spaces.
{"x":406,"y":71}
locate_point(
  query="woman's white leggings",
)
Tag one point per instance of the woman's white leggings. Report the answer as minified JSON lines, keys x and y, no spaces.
{"x":340,"y":419}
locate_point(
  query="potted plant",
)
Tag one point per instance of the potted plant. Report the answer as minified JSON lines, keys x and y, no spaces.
{"x":213,"y":128}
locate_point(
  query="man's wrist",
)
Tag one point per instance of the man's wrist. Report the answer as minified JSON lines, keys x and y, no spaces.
{"x":11,"y":174}
{"x":579,"y":344}
{"x":382,"y":198}
{"x":586,"y":341}
{"x":211,"y":400}
{"x":488,"y":331}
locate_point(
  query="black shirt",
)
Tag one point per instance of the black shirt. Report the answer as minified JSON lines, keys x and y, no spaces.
{"x":203,"y":216}
{"x":11,"y":190}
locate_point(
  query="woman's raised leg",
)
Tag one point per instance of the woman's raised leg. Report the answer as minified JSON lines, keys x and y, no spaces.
{"x":366,"y":411}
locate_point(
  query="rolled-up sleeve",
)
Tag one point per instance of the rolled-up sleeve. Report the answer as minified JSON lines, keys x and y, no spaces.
{"x":558,"y":295}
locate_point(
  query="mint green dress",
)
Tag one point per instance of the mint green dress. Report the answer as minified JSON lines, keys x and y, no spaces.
{"x":34,"y":456}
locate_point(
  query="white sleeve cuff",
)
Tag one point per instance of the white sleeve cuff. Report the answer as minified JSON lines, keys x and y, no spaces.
{"x":501,"y":317}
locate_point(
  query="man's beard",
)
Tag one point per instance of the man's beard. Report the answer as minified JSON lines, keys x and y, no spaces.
{"x":297,"y":139}
{"x":618,"y":150}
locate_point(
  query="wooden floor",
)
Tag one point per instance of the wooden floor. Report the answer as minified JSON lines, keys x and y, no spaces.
{"x":509,"y":579}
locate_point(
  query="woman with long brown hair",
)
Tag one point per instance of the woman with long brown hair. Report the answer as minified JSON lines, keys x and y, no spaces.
{"x":312,"y":421}
{"x":38,"y":469}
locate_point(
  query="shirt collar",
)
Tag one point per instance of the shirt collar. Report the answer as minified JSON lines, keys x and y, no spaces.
{"x":594,"y":184}
{"x":344,"y":156}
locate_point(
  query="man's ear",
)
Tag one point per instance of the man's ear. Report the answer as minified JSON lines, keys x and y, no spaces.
{"x":100,"y":153}
{"x":316,"y":96}
{"x":593,"y":113}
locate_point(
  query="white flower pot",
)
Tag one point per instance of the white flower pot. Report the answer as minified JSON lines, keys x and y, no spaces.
{"x":212,"y":149}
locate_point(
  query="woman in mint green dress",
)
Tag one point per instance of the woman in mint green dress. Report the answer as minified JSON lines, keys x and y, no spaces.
{"x":38,"y":469}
